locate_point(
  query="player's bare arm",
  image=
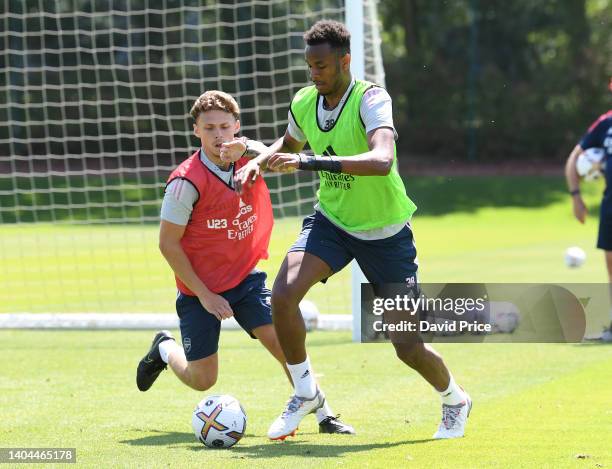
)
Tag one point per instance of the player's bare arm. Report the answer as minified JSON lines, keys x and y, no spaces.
{"x":251,"y":170}
{"x":170,"y":235}
{"x":241,"y":147}
{"x":376,"y":162}
{"x":573,"y":184}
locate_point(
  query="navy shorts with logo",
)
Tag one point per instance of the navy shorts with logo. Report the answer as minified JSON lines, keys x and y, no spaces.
{"x":389,"y":260}
{"x":250,"y":302}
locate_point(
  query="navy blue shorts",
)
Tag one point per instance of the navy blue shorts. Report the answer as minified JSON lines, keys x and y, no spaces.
{"x":604,"y":240}
{"x":250,"y":301}
{"x":389,"y":260}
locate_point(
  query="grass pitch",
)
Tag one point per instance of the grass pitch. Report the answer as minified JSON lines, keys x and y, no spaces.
{"x":504,"y":229}
{"x":534,"y":405}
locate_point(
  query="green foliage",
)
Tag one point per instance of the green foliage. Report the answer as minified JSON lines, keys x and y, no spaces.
{"x":519,"y":79}
{"x":491,"y":79}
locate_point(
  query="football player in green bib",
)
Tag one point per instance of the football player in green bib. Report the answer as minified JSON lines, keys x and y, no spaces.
{"x":362,"y":213}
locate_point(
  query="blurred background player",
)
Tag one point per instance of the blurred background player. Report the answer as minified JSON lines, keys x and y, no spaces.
{"x":598,"y":135}
{"x":212,"y":237}
{"x":362,"y":213}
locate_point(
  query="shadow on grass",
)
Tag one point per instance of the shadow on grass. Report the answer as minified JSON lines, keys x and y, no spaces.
{"x":161,"y":438}
{"x":271,"y":449}
{"x":315,"y":450}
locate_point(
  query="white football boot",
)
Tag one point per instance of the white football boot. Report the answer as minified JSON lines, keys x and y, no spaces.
{"x":297,"y":408}
{"x":454,"y":419}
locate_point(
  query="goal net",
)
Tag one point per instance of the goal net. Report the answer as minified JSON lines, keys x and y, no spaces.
{"x":94,"y":101}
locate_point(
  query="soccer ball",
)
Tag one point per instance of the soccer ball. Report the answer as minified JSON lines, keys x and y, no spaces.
{"x":591,"y":163}
{"x":505,"y":322}
{"x":219,"y":421}
{"x":574,"y":257}
{"x":310,"y":313}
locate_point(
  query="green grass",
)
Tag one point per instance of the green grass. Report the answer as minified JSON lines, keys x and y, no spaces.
{"x":534,"y":405}
{"x":63,"y":268}
{"x":504,"y":229}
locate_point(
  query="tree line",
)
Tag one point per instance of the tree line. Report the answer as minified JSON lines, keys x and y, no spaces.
{"x":489,"y":80}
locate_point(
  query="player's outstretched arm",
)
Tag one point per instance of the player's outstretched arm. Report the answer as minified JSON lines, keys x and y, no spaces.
{"x":573,"y":184}
{"x":375,"y":162}
{"x":170,"y":235}
{"x":249,"y":172}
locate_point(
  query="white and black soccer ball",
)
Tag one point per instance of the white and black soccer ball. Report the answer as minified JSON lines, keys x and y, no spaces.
{"x":591,"y":163}
{"x":219,"y":421}
{"x":505,"y":322}
{"x":574,"y":257}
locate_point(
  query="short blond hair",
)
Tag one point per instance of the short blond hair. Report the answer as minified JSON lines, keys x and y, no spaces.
{"x":215,"y":100}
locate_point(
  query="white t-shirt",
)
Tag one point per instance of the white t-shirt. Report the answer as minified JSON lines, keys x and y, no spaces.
{"x":376,"y":111}
{"x":181,"y":195}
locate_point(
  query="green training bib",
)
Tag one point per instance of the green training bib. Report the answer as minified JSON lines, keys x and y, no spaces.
{"x":355,"y":203}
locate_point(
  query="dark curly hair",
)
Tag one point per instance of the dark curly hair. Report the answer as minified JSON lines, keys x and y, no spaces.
{"x":331,"y":32}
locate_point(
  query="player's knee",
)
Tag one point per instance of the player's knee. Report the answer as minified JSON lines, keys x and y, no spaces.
{"x":203,"y":383}
{"x":202,"y":378}
{"x":410,"y":353}
{"x":284,"y":299}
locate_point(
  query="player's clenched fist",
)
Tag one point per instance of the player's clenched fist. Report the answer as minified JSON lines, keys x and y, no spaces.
{"x":284,"y":162}
{"x":233,"y":150}
{"x":217,"y":306}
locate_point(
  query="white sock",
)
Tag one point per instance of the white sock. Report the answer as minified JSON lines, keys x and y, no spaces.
{"x":167,"y":347}
{"x":452,"y":395}
{"x":303,"y":379}
{"x":324,"y":412}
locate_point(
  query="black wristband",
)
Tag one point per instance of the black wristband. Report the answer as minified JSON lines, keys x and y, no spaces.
{"x":246,"y":149}
{"x":575,"y":192}
{"x":319,"y":163}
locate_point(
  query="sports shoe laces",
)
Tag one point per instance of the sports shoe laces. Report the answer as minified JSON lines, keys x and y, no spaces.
{"x":450,"y":414}
{"x":329,"y":419}
{"x":293,"y":405}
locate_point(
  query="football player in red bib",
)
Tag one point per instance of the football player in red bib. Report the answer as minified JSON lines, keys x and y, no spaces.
{"x":212,"y":237}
